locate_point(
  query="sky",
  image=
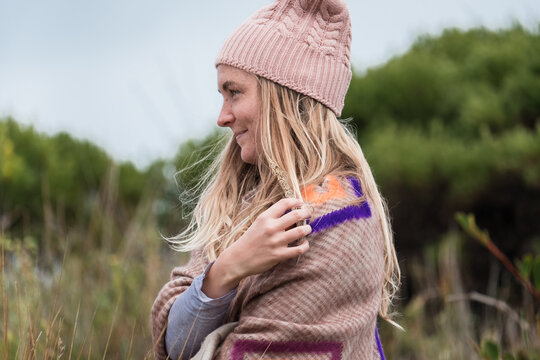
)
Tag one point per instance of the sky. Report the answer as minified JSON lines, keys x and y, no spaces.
{"x":137,"y":77}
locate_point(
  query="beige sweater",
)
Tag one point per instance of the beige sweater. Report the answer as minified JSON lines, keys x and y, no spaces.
{"x":321,"y":306}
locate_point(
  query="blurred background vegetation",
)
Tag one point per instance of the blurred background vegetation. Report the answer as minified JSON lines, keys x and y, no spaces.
{"x":452,"y":125}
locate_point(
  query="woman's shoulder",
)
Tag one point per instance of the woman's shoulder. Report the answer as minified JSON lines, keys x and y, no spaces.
{"x":336,"y":200}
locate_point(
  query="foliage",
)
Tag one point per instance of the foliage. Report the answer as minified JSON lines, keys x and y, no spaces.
{"x":444,"y":320}
{"x":63,"y":182}
{"x":529,"y":268}
{"x":469,"y":81}
{"x":454,"y":124}
{"x":455,"y":110}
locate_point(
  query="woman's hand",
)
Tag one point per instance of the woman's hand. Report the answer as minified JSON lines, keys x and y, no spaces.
{"x":264,"y":244}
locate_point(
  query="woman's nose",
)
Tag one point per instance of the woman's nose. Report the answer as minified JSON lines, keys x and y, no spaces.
{"x":226,"y":116}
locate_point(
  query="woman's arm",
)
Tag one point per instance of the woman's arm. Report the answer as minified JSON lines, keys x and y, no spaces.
{"x":261,"y":247}
{"x":192,"y":317}
{"x":181,"y":279}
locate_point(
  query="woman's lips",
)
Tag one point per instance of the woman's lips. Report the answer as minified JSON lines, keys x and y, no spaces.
{"x":239,"y":134}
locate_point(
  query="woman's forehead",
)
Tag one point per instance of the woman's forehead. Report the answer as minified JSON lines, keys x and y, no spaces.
{"x":227,"y":74}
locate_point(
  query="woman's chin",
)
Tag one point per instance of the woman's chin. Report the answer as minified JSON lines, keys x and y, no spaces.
{"x":248,"y":157}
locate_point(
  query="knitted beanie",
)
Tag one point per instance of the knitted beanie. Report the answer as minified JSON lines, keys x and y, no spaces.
{"x":301,"y":44}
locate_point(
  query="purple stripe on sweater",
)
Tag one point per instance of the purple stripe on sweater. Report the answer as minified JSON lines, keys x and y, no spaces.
{"x":337,"y":217}
{"x":379,"y":345}
{"x":356,"y":186}
{"x":242,"y":347}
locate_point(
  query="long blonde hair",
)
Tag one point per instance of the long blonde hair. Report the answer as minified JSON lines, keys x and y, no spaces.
{"x":305,"y":141}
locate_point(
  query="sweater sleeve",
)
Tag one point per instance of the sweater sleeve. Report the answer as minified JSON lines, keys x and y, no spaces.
{"x":324,"y":304}
{"x":193,"y":316}
{"x":181,"y":279}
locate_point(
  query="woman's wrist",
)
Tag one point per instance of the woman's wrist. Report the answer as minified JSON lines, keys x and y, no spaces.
{"x":220,"y":278}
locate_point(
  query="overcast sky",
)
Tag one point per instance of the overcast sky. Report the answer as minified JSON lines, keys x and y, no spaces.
{"x":137,"y":77}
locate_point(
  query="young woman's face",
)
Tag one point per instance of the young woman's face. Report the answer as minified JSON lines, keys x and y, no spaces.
{"x":240,"y":110}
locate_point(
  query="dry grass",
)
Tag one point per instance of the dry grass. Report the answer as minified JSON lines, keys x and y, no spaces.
{"x":446,"y":321}
{"x":83,"y":305}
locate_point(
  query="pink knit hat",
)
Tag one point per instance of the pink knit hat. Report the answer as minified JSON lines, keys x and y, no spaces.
{"x":301,"y":44}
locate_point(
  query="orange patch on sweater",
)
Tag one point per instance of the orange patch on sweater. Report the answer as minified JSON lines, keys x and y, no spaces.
{"x":334,"y":191}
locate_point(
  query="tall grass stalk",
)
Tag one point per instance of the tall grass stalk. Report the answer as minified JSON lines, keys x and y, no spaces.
{"x":4,"y":305}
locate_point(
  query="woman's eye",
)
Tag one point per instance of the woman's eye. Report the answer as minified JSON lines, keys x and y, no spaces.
{"x":234,"y":92}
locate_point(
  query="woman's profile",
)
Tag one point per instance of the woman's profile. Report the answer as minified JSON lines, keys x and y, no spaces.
{"x":290,"y":240}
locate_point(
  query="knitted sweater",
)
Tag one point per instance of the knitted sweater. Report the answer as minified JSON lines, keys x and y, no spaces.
{"x":322,"y":305}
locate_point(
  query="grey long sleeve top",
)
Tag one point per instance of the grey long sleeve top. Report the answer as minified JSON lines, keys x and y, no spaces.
{"x":193,"y":316}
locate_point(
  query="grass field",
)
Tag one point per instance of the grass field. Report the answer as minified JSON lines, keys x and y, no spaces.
{"x":95,"y":304}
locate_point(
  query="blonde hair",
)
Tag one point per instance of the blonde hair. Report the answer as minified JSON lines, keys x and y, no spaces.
{"x":305,"y":141}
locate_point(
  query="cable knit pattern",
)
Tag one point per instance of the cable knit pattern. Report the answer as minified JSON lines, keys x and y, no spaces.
{"x":322,"y":305}
{"x":303,"y":45}
{"x":264,"y":14}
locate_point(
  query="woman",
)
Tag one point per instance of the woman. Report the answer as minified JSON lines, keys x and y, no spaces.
{"x":290,"y":239}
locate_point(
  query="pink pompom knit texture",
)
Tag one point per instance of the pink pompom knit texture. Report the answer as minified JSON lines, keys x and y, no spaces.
{"x":301,"y":44}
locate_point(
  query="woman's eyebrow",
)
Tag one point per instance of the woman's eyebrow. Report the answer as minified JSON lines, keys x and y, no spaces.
{"x":227,"y":84}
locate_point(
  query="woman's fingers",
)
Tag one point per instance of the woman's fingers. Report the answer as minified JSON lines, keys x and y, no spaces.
{"x":294,"y":251}
{"x":278,"y":209}
{"x":293,"y":217}
{"x":295,"y":233}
